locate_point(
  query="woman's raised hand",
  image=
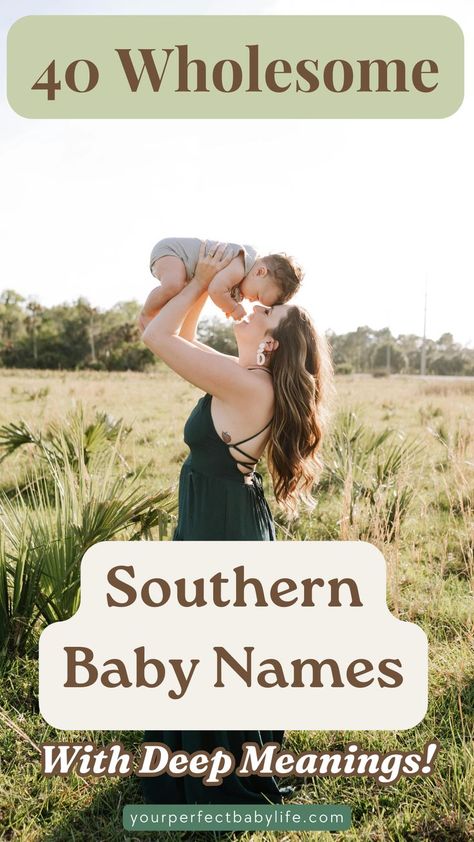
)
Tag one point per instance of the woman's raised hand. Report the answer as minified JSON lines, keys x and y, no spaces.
{"x":210,"y":264}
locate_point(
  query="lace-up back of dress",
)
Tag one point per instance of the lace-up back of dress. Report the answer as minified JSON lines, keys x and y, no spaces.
{"x":247,"y":464}
{"x":211,"y":454}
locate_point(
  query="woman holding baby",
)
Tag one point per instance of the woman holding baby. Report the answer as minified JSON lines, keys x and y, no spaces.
{"x":272,"y":396}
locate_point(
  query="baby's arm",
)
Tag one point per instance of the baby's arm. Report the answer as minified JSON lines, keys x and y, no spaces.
{"x":222,"y":284}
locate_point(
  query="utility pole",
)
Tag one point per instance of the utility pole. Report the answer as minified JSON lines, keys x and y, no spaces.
{"x":423,"y":347}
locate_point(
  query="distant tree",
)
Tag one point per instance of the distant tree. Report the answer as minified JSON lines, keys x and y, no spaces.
{"x":384,"y":334}
{"x":218,"y":335}
{"x":120,"y":349}
{"x":445,"y":342}
{"x":389,"y":356}
{"x":11,"y":315}
{"x":354,"y":348}
{"x":89,"y":314}
{"x":410,"y":346}
{"x":123,"y":311}
{"x":78,"y":335}
{"x":34,"y":312}
{"x":448,"y":365}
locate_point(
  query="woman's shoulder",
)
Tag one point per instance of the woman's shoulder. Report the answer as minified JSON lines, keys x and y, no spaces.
{"x":249,"y":384}
{"x":262,"y":370}
{"x":260,"y":384}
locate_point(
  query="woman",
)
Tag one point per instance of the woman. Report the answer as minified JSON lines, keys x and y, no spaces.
{"x":271,"y":395}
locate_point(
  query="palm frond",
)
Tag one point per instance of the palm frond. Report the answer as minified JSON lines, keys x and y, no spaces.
{"x":78,"y":495}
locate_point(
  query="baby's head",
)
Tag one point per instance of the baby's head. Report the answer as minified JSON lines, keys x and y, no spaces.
{"x":273,"y":279}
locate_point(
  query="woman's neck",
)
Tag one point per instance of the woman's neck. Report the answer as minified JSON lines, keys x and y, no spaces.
{"x":248,"y":359}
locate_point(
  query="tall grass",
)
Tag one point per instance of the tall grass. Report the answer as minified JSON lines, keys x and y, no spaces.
{"x":368,"y":476}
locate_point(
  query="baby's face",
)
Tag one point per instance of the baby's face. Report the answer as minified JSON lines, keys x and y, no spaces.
{"x":260,"y":288}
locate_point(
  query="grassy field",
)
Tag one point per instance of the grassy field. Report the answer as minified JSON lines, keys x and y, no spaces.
{"x":411,"y":492}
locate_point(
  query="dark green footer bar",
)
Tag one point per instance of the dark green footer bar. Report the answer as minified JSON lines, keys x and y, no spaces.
{"x":166,"y":817}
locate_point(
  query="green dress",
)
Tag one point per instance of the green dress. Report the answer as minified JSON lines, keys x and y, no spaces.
{"x":215,"y":504}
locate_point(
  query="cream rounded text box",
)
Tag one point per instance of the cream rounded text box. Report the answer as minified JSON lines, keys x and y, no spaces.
{"x":233,"y":635}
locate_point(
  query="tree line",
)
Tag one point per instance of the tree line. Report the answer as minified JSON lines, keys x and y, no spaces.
{"x":80,"y":336}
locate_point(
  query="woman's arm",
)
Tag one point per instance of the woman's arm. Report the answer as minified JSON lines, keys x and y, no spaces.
{"x":214,"y":373}
{"x":188,"y":329}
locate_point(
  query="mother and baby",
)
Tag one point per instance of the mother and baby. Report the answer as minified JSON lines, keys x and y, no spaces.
{"x":271,"y":396}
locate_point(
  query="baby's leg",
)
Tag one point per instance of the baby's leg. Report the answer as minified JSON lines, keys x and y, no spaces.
{"x":171,"y":273}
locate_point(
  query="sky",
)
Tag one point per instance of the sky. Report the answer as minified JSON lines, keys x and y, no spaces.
{"x":375,"y":211}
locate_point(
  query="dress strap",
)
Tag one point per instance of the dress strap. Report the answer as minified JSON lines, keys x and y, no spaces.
{"x":250,"y":465}
{"x":250,"y":437}
{"x":253,"y":460}
{"x":258,"y":368}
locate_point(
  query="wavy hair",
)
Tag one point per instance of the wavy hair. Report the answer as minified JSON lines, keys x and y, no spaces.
{"x":302,"y":379}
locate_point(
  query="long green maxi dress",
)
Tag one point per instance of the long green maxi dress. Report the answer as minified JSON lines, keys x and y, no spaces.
{"x":216,"y":504}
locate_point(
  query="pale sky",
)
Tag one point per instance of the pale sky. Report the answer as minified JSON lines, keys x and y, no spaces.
{"x":373,"y":210}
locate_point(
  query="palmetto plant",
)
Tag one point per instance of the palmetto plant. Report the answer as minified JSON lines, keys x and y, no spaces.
{"x":19,"y":595}
{"x":369,"y":468}
{"x":93,"y":437}
{"x":44,"y":537}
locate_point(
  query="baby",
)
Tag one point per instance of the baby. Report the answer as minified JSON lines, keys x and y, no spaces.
{"x":270,"y":280}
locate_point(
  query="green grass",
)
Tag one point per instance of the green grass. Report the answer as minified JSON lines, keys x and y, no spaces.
{"x":429,"y":553}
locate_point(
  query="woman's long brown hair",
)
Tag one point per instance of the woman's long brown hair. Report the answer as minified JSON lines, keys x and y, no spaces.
{"x":302,"y":379}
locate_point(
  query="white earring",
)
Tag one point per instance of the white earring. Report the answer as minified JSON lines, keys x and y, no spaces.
{"x":261,"y":354}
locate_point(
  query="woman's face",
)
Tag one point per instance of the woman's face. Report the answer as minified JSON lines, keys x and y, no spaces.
{"x":254,"y":328}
